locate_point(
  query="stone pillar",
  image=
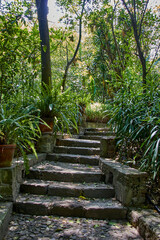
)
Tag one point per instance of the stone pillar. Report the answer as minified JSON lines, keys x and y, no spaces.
{"x":46,"y":143}
{"x":108,"y":147}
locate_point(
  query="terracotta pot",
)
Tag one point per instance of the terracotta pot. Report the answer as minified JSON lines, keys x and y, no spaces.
{"x":45,"y":128}
{"x":82,"y":109}
{"x":6,"y":155}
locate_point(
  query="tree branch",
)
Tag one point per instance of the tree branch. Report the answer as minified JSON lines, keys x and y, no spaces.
{"x":140,"y":26}
{"x":153,"y":59}
{"x":77,"y":48}
{"x":114,"y":37}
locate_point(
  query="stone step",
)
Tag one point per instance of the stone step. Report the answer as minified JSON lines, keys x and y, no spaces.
{"x":65,"y":189}
{"x":104,"y":129}
{"x":79,"y":143}
{"x":73,"y":158}
{"x":74,"y":207}
{"x":77,"y":150}
{"x":98,"y":133}
{"x":66,"y":172}
{"x":91,"y":137}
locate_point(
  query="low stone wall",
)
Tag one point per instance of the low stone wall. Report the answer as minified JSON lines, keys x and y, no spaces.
{"x":147,"y":222}
{"x":11,"y":177}
{"x":129,"y":183}
{"x":5,"y":215}
{"x":46,"y":143}
{"x":108,"y":147}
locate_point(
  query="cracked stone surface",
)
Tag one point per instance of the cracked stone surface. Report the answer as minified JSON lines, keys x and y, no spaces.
{"x":26,"y":227}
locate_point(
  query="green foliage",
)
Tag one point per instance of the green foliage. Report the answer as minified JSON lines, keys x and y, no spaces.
{"x":60,"y":106}
{"x":19,"y":125}
{"x":46,"y":101}
{"x":97,"y":111}
{"x":19,"y":51}
{"x":83,"y":98}
{"x":106,"y":68}
{"x":67,"y":111}
{"x":135,"y":117}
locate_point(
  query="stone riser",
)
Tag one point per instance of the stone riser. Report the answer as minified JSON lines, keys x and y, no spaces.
{"x":97,"y":129}
{"x":66,"y":177}
{"x":99,"y":133}
{"x":74,"y":150}
{"x":79,"y":143}
{"x":67,"y":191}
{"x":68,"y":158}
{"x":90,"y":137}
{"x":73,"y":208}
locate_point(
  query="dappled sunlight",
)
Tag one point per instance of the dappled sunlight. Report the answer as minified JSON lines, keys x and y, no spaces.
{"x":63,"y":167}
{"x":52,"y":227}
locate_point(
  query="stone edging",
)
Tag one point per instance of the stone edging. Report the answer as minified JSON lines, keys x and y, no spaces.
{"x":5,"y":215}
{"x":11,"y":177}
{"x":129,"y":183}
{"x":147,"y":223}
{"x":130,"y":190}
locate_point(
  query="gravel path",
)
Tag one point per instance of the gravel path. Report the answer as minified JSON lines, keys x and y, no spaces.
{"x":26,"y":227}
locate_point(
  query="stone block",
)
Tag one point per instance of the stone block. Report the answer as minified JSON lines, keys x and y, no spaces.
{"x":147,"y":222}
{"x":5,"y":214}
{"x":129,"y":183}
{"x":46,"y":143}
{"x":11,"y":177}
{"x":108,"y":147}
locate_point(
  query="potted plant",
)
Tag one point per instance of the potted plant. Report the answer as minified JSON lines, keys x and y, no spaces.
{"x":46,"y":103}
{"x":83,"y":100}
{"x":18,"y":129}
{"x":58,"y":109}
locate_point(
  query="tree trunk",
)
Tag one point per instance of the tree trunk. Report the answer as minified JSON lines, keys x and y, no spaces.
{"x":42,"y":10}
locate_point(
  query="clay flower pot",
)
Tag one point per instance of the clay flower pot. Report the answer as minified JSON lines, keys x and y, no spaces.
{"x":44,"y":128}
{"x":6,"y":155}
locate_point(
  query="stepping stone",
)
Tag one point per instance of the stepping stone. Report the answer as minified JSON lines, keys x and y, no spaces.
{"x":79,"y":143}
{"x":73,"y":158}
{"x":74,"y":207}
{"x":66,"y":172}
{"x":77,"y":150}
{"x":66,"y":189}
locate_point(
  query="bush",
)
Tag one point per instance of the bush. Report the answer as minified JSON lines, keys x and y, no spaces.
{"x":136,"y":120}
{"x":98,"y":112}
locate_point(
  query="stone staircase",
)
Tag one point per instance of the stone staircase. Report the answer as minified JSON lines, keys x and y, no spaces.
{"x":70,"y":183}
{"x":95,"y":133}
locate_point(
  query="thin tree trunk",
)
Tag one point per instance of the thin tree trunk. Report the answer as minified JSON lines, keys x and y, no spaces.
{"x":76,"y":51}
{"x":137,"y":37}
{"x":42,"y":10}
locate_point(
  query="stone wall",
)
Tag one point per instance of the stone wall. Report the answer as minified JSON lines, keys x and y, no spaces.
{"x":11,"y":177}
{"x":5,"y":215}
{"x":147,"y":221}
{"x":129,"y":183}
{"x":46,"y":143}
{"x":108,"y":147}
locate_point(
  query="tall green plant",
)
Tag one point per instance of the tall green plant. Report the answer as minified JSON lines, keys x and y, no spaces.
{"x":19,"y":125}
{"x":136,"y":120}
